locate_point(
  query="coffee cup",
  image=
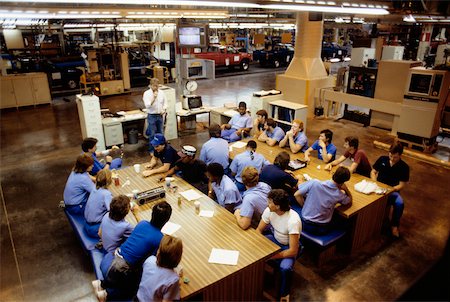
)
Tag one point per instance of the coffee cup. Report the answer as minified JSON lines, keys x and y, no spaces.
{"x":135,"y":193}
{"x":197,"y":206}
{"x":168,"y":180}
{"x":137,"y":168}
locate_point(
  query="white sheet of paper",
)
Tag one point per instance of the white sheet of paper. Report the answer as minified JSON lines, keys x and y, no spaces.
{"x":227,"y":257}
{"x":190,"y":195}
{"x":238,"y":145}
{"x":170,"y":228}
{"x":205,"y":213}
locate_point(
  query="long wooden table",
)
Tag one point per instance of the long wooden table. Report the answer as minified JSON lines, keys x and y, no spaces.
{"x":213,"y":282}
{"x":367,"y":212}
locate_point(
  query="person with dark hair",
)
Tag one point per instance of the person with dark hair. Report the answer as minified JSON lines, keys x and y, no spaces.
{"x":79,"y":185}
{"x":163,"y":154}
{"x":247,"y":158}
{"x":295,"y":138}
{"x":98,"y":203}
{"x":276,"y":176}
{"x":155,"y":102}
{"x":360,"y":162}
{"x":114,"y":229}
{"x":254,"y":199}
{"x":159,"y":280}
{"x":222,"y":188}
{"x":321,"y":199}
{"x":258,"y":123}
{"x":326,"y":151}
{"x":215,"y":150}
{"x":272,"y":134}
{"x":192,"y":170}
{"x":122,"y":269}
{"x":287,"y":227}
{"x":393,"y":171}
{"x":239,"y":125}
{"x":89,"y":146}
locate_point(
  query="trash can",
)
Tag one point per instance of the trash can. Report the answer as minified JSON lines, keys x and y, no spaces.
{"x":133,"y":137}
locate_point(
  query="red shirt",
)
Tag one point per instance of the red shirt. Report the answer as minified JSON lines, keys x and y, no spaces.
{"x":361,"y":159}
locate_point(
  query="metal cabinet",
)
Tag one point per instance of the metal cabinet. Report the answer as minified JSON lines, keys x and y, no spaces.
{"x":113,"y":133}
{"x":90,"y":118}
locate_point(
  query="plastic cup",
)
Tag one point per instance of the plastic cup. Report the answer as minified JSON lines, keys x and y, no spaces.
{"x":168,"y":180}
{"x":135,"y":193}
{"x":137,"y":168}
{"x":116,"y":180}
{"x":197,"y":206}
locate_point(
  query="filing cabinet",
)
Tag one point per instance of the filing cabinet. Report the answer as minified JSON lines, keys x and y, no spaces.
{"x":90,"y":118}
{"x":113,"y":133}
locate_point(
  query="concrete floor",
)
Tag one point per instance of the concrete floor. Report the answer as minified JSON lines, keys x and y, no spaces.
{"x":41,"y":259}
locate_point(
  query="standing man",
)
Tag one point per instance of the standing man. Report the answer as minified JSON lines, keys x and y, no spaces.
{"x":239,"y":125}
{"x":295,"y":138}
{"x":393,"y":171}
{"x":322,"y":197}
{"x":156,"y":104}
{"x":272,"y":134}
{"x":326,"y":151}
{"x":360,"y":162}
{"x":215,"y":150}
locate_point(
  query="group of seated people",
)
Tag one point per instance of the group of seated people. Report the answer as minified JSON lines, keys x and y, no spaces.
{"x":256,"y":191}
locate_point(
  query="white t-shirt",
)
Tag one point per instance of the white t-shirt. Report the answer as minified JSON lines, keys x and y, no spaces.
{"x":284,"y":225}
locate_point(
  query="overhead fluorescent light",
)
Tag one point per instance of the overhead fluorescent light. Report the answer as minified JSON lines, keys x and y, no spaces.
{"x":409,"y":18}
{"x":329,"y":9}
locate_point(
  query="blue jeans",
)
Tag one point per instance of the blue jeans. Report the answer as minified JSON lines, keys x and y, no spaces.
{"x":230,"y":135}
{"x":286,"y":266}
{"x":76,"y":209}
{"x":92,"y":229}
{"x":154,"y":125}
{"x":396,"y":201}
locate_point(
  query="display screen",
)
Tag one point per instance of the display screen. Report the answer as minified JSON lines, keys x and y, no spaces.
{"x":195,"y":102}
{"x":189,"y":36}
{"x":420,"y":83}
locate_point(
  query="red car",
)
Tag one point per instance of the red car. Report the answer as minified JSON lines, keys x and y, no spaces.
{"x":226,"y":56}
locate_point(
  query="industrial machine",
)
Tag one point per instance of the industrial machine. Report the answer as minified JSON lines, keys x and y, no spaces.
{"x":425,"y":95}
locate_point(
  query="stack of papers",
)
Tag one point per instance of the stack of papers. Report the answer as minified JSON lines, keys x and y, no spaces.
{"x":190,"y":195}
{"x":266,"y":92}
{"x":227,"y":257}
{"x":238,"y":145}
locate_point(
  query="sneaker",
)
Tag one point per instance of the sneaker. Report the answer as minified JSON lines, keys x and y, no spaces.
{"x":284,"y":299}
{"x":97,"y":285}
{"x":395,"y":232}
{"x":101,"y":295}
{"x":61,"y":204}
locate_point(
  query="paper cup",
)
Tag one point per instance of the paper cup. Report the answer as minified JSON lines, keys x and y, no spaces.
{"x":197,"y":206}
{"x":137,"y":168}
{"x":168,"y":180}
{"x":135,"y":193}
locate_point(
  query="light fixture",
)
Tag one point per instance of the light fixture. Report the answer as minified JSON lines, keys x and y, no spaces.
{"x":330,"y":9}
{"x":409,"y":18}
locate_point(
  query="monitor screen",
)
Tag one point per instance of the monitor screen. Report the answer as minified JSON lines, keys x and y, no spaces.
{"x":190,"y":36}
{"x":420,"y":83}
{"x":195,"y":102}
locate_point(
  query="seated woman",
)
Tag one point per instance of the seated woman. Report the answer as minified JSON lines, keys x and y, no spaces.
{"x":287,"y":227}
{"x":247,"y":158}
{"x":79,"y":185}
{"x":159,"y":280}
{"x":254,"y":199}
{"x":98,"y":203}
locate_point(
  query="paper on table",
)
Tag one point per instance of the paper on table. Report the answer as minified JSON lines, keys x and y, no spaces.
{"x":190,"y":195}
{"x":170,"y":228}
{"x":238,"y":145}
{"x":223,"y":256}
{"x":205,"y":213}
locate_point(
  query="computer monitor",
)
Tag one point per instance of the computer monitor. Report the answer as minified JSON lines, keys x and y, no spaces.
{"x":192,"y":102}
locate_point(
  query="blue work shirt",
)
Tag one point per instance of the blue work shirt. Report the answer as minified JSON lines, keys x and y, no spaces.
{"x":97,"y":165}
{"x":277,"y":134}
{"x":277,"y":178}
{"x":97,"y":205}
{"x":215,"y":150}
{"x":143,"y":242}
{"x":226,"y":192}
{"x":331,"y":149}
{"x":241,"y":121}
{"x":321,"y":200}
{"x":114,"y":233}
{"x":254,"y":201}
{"x":78,"y":187}
{"x":247,"y":158}
{"x":300,"y":139}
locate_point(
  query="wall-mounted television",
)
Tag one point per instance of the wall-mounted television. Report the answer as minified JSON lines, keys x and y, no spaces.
{"x":192,"y":35}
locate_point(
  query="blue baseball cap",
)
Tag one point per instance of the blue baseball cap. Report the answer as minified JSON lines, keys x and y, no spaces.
{"x":159,"y":139}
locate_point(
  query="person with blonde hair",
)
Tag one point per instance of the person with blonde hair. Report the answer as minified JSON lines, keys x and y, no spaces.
{"x":98,"y":202}
{"x":295,"y":138}
{"x":254,"y":199}
{"x":159,"y":280}
{"x":155,"y":102}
